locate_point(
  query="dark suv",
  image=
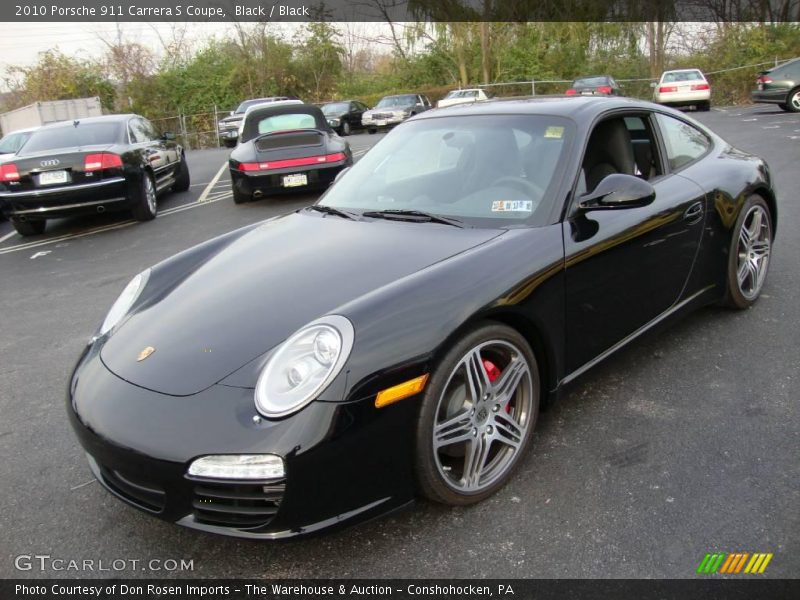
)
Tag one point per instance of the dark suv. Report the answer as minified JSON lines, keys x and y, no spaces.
{"x":780,"y":86}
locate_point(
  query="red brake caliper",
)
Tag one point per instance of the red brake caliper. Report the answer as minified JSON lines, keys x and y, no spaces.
{"x":493,"y":373}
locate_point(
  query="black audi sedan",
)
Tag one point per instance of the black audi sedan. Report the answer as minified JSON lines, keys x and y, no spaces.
{"x":285,"y":148}
{"x":115,"y":162}
{"x":399,"y":338}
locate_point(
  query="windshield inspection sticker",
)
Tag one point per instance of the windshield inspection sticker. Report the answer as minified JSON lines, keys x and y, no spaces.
{"x":512,"y":206}
{"x":554,"y":132}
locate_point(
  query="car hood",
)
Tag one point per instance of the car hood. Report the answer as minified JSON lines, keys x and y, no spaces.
{"x":237,"y":300}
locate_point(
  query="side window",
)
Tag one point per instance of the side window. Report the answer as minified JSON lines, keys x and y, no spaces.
{"x":152,"y":133}
{"x":140,"y":131}
{"x":684,"y":143}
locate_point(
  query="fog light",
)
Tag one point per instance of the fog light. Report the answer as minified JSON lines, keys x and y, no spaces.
{"x":238,"y":466}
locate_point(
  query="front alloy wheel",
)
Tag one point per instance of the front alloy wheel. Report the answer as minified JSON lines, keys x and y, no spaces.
{"x":794,"y":100}
{"x":478,"y":416}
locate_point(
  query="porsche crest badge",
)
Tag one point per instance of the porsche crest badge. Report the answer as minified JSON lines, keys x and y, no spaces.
{"x":145,"y":353}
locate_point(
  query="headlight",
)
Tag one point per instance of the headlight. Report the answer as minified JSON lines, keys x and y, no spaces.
{"x":303,"y":366}
{"x":333,"y":122}
{"x":123,"y":304}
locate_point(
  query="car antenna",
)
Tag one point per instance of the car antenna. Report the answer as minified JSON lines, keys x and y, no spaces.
{"x":75,"y":123}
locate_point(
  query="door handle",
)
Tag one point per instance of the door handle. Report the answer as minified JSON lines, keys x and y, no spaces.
{"x":694,"y":213}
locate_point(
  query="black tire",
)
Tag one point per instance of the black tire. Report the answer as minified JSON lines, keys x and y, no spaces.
{"x":372,"y":130}
{"x":229,"y":143}
{"x":735,"y":297}
{"x":793,"y":100}
{"x":182,"y":178}
{"x":784,"y":107}
{"x":431,"y":481}
{"x":240,"y":198}
{"x":346,"y":130}
{"x":704,"y":106}
{"x":145,"y":206}
{"x":28,"y":228}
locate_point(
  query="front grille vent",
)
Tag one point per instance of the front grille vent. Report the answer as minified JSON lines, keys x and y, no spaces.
{"x":144,"y":494}
{"x":239,"y":505}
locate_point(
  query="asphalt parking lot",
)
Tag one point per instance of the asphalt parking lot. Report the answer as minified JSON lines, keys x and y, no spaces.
{"x":686,"y":442}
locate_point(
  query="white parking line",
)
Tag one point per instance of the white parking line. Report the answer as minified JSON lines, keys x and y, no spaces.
{"x":6,"y":236}
{"x":212,"y":183}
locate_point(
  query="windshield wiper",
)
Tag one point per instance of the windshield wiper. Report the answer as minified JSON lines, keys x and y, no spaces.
{"x":418,"y":216}
{"x":330,"y":210}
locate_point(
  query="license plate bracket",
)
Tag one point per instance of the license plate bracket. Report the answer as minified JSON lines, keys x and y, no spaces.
{"x":295,"y":180}
{"x":53,"y":177}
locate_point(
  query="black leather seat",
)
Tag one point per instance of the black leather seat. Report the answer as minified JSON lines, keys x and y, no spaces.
{"x":609,"y":151}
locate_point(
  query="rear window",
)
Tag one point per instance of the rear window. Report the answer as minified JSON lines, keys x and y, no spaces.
{"x":682,"y":76}
{"x":286,"y":122}
{"x":591,"y":81}
{"x":84,"y":134}
{"x":13,"y":142}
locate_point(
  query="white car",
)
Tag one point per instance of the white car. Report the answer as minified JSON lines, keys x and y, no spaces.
{"x":462,"y":97}
{"x":11,"y":143}
{"x":683,"y":87}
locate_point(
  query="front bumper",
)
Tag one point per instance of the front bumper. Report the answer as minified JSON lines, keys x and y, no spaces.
{"x":45,"y":203}
{"x":271,"y":183}
{"x":373,"y":123}
{"x":345,"y":462}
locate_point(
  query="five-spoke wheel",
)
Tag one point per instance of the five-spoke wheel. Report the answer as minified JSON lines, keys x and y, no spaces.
{"x":478,"y":415}
{"x":750,"y":253}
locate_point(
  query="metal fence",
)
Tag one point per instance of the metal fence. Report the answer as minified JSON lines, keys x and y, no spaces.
{"x":199,"y":130}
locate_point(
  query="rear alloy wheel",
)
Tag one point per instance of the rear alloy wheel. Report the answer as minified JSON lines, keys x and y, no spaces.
{"x":793,"y":104}
{"x":477,"y":416}
{"x":750,"y":252}
{"x":145,"y":206}
{"x":182,"y":179}
{"x":28,"y":228}
{"x":345,"y":128}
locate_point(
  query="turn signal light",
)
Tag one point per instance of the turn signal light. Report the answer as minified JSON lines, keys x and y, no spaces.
{"x":9,"y":172}
{"x":103,"y":160}
{"x":571,"y":92}
{"x":666,"y":89}
{"x":401,"y":391}
{"x":292,"y":162}
{"x":700,"y":86}
{"x":604,"y":89}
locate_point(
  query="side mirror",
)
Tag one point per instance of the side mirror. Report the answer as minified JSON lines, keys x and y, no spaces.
{"x":168,"y":136}
{"x":340,"y":173}
{"x":618,"y":191}
{"x":652,"y":84}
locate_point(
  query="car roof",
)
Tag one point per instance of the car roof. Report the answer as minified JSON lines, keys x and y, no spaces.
{"x":23,"y":130}
{"x":102,"y":119}
{"x":578,"y":108}
{"x":253,"y":107}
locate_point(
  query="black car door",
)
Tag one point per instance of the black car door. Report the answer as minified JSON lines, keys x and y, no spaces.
{"x":355,"y":114}
{"x":157,"y":152}
{"x":626,"y":267}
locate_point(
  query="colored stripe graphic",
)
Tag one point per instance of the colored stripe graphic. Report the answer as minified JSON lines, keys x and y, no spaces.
{"x":733,"y":563}
{"x":741,"y":562}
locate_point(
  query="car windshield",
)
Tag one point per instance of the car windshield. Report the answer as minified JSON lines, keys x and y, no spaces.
{"x":463,"y":94}
{"x":393,"y":101}
{"x":11,"y":143}
{"x":682,"y":76}
{"x":248,"y":103}
{"x":286,"y":122}
{"x":335,"y":108}
{"x":83,"y":134}
{"x":590,"y":82}
{"x":488,"y":171}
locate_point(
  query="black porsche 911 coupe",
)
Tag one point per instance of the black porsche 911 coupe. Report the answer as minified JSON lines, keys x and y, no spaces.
{"x":284,"y":148}
{"x":398,"y":338}
{"x":92,"y":165}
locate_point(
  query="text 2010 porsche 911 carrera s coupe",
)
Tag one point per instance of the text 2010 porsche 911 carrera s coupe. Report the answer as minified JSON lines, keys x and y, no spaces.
{"x":399,"y":337}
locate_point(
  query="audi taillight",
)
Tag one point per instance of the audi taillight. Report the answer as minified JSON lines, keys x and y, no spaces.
{"x":9,"y":172}
{"x":764,"y":79}
{"x":101,"y":161}
{"x":700,"y":86}
{"x":571,"y":92}
{"x":604,"y":89}
{"x":666,"y":89}
{"x":292,"y":162}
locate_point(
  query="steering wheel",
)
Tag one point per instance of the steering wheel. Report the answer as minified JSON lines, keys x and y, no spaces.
{"x":524,"y":185}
